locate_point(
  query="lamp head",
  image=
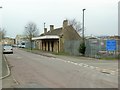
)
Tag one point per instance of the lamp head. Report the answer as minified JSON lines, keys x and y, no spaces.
{"x":84,"y":9}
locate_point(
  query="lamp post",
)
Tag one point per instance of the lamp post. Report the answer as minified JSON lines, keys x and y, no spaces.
{"x":83,"y":48}
{"x":83,"y":26}
{"x":1,"y":44}
{"x":0,"y":29}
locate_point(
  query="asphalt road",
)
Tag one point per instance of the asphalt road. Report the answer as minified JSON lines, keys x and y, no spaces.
{"x":37,"y":71}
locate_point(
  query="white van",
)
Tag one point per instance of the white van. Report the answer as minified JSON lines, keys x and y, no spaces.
{"x":22,"y":45}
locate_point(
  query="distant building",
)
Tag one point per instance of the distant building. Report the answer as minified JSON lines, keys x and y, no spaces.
{"x":8,"y":40}
{"x":23,"y":42}
{"x":19,"y":39}
{"x":56,"y":40}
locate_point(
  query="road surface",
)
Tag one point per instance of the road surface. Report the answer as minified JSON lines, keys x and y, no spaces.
{"x":37,"y":71}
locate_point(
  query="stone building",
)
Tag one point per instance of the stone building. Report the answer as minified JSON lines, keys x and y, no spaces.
{"x":54,"y":39}
{"x":19,"y":39}
{"x":8,"y":40}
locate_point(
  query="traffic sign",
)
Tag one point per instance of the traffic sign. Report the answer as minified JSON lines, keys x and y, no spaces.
{"x":111,"y":45}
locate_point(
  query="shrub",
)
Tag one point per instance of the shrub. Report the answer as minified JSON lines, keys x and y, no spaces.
{"x":82,"y":48}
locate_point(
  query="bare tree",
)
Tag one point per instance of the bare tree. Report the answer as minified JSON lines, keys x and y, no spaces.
{"x":76,"y":25}
{"x":31,"y":31}
{"x":2,"y":33}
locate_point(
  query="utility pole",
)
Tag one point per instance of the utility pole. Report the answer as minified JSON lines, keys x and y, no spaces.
{"x":1,"y":42}
{"x":82,"y":45}
{"x":83,"y":27}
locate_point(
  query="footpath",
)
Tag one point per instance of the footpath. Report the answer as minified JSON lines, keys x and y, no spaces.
{"x":4,"y":69}
{"x":6,"y":79}
{"x":0,"y":65}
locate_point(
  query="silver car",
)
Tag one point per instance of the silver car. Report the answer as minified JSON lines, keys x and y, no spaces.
{"x":7,"y":49}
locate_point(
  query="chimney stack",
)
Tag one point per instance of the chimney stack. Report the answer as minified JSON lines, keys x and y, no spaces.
{"x":65,"y":23}
{"x":45,"y":30}
{"x":51,"y":27}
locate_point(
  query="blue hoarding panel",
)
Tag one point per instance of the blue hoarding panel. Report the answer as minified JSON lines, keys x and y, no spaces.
{"x":111,"y":45}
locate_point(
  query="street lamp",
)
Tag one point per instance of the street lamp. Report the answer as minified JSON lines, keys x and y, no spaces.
{"x":1,"y":31}
{"x":83,"y":26}
{"x":1,"y":40}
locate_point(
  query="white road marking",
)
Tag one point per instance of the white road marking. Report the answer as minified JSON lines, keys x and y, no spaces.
{"x":85,"y":65}
{"x":91,"y":67}
{"x":19,"y":57}
{"x":75,"y":63}
{"x":68,"y":61}
{"x":96,"y":67}
{"x":65,"y":61}
{"x":80,"y":64}
{"x":15,"y":81}
{"x":72,"y":62}
{"x":112,"y":72}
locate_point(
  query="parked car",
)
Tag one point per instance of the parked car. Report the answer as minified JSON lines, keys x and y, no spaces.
{"x":19,"y":46}
{"x":7,"y":49}
{"x":22,"y":45}
{"x":14,"y":45}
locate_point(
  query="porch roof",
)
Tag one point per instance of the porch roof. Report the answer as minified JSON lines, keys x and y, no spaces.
{"x":46,"y":37}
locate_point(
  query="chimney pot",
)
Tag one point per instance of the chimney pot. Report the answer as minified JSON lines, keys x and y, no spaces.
{"x":51,"y":27}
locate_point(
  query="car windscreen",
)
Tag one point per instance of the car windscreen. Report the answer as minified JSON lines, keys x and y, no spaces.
{"x":7,"y":47}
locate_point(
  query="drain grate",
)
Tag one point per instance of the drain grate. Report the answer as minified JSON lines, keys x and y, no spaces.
{"x":105,"y":72}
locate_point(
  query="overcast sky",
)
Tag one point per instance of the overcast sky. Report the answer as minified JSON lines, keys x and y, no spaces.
{"x":101,"y":16}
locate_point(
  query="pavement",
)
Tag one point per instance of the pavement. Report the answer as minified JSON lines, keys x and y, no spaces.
{"x":0,"y":64}
{"x":6,"y":79}
{"x":3,"y":65}
{"x":43,"y":53}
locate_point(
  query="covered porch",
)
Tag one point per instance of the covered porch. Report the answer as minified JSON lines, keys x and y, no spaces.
{"x":48,"y":43}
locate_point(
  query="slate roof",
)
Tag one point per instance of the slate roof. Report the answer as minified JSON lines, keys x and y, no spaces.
{"x":57,"y":31}
{"x":69,"y":33}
